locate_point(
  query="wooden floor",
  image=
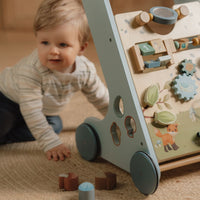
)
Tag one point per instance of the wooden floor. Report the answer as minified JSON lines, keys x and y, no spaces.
{"x":16,"y":45}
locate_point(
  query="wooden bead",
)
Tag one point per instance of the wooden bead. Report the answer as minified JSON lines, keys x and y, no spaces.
{"x":151,"y":16}
{"x":196,"y":41}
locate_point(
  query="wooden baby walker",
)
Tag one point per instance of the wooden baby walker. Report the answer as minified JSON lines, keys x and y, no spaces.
{"x":153,"y":77}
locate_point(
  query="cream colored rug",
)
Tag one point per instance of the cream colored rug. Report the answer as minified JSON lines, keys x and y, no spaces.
{"x":26,"y":174}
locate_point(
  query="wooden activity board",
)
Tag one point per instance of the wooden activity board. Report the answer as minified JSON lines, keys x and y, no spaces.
{"x":153,"y":78}
{"x":186,"y":111}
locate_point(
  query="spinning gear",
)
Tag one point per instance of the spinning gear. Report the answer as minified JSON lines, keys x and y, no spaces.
{"x":188,"y":67}
{"x":184,"y":87}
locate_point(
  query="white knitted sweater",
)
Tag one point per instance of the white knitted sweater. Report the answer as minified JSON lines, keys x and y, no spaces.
{"x":41,"y":92}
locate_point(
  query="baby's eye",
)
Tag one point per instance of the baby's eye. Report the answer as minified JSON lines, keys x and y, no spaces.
{"x":45,"y":42}
{"x":63,"y":45}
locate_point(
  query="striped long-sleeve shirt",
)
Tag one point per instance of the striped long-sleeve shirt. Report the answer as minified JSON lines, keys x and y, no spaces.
{"x":41,"y":92}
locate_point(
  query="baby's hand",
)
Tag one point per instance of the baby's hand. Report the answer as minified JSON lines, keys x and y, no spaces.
{"x":59,"y":152}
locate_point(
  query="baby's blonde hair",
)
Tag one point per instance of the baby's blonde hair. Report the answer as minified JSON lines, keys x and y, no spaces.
{"x":52,"y":13}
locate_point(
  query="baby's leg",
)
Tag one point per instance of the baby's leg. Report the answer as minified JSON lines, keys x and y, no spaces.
{"x":55,"y":122}
{"x":21,"y":133}
{"x":12,"y":125}
{"x":7,"y":122}
{"x":8,"y":117}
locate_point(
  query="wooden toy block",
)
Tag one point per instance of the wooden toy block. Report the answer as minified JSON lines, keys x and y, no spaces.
{"x":152,"y":63}
{"x":71,"y":182}
{"x":100,"y":183}
{"x":146,"y":49}
{"x":158,"y":45}
{"x":164,"y":60}
{"x":108,"y":182}
{"x":142,"y":18}
{"x":170,"y":46}
{"x":139,"y":63}
{"x":61,"y":180}
{"x":111,"y":180}
{"x":170,"y":49}
{"x":86,"y":191}
{"x":183,"y":44}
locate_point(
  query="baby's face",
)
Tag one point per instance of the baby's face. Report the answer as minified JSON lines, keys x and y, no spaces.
{"x":58,"y":47}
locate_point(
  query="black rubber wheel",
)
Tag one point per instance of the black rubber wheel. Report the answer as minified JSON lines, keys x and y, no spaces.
{"x":87,"y":142}
{"x":144,"y":173}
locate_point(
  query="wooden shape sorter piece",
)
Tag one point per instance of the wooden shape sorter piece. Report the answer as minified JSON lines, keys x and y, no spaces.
{"x":164,"y":60}
{"x":152,"y":64}
{"x":61,"y":181}
{"x":170,"y":47}
{"x":183,"y":44}
{"x":169,"y":43}
{"x":158,"y":45}
{"x":146,"y":49}
{"x":68,"y":182}
{"x":107,"y":181}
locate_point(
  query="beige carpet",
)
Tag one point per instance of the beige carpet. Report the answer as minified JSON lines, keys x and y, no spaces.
{"x":26,"y":174}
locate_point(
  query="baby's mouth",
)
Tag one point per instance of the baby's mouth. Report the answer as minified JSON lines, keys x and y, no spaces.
{"x":55,"y":60}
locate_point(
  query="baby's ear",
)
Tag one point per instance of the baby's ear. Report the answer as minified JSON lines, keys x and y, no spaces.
{"x":83,"y":47}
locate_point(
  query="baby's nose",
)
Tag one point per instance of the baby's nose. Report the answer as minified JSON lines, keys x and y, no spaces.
{"x":54,"y":51}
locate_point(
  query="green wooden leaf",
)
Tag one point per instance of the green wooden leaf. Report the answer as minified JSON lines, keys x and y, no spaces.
{"x":164,"y":117}
{"x":151,"y":95}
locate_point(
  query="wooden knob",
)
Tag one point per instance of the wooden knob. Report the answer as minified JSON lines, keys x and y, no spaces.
{"x":143,"y":18}
{"x":182,"y":11}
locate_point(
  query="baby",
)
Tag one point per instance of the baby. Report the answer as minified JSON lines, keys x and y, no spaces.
{"x":35,"y":90}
